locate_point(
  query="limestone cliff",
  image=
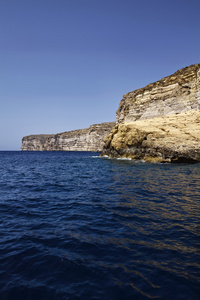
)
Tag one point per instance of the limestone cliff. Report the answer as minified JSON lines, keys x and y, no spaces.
{"x":89,"y":139}
{"x":174,"y":138}
{"x":160,"y":122}
{"x":173,"y":94}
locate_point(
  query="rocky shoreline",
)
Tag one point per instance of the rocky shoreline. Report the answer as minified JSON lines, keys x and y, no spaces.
{"x":157,"y":123}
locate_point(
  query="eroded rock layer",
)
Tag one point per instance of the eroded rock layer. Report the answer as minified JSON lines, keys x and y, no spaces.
{"x":173,"y":94}
{"x":89,"y":139}
{"x":174,"y":138}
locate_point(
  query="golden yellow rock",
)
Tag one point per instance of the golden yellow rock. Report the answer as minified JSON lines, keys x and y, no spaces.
{"x":173,"y":138}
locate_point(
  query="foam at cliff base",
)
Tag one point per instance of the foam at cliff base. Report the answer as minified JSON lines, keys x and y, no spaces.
{"x":122,"y":158}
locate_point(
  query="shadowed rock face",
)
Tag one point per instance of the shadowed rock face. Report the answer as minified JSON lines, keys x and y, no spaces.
{"x":174,"y":138}
{"x":173,"y":94}
{"x":161,"y":122}
{"x":89,"y":139}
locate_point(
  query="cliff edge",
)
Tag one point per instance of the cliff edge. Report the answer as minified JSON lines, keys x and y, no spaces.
{"x":173,"y":94}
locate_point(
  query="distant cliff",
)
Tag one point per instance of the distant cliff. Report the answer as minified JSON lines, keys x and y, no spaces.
{"x":89,"y":139}
{"x":160,"y":122}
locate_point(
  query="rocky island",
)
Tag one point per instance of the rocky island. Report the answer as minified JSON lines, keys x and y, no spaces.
{"x":160,"y":122}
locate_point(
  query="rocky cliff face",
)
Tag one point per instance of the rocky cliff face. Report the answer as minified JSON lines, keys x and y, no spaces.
{"x":161,"y":122}
{"x":174,"y":138}
{"x":89,"y":139}
{"x":173,"y":94}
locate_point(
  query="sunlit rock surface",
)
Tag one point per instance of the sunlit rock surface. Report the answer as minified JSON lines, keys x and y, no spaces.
{"x":161,"y":122}
{"x":173,"y":94}
{"x":174,"y":138}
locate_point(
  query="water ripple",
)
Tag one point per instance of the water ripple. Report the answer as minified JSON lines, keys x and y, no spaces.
{"x":76,"y":227}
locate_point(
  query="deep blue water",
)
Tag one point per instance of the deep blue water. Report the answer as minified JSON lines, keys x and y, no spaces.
{"x":77,"y":226}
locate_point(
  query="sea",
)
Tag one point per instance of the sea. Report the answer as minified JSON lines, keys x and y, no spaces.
{"x":74,"y":225}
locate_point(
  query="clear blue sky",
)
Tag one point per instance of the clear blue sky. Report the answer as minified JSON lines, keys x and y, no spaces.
{"x":65,"y":64}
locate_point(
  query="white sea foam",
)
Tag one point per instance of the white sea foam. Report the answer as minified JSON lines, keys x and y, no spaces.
{"x":124,"y":158}
{"x":107,"y":157}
